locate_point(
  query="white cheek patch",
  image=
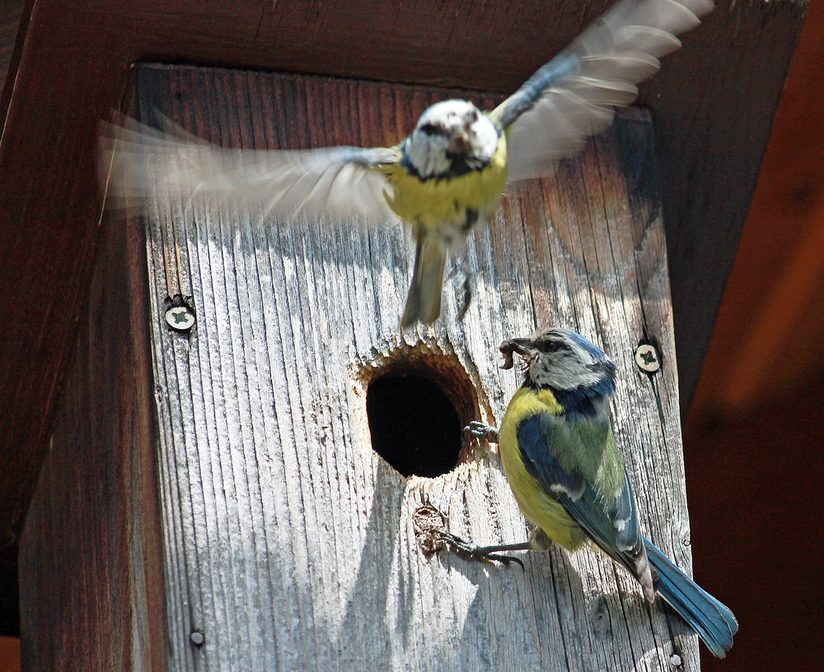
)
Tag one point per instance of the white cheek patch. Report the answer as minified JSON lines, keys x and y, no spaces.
{"x":484,"y":139}
{"x":540,"y":375}
{"x":565,"y":372}
{"x":427,"y":153}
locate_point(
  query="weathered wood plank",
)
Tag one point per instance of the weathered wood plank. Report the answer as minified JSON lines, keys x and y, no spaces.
{"x":90,"y":558}
{"x":288,"y":541}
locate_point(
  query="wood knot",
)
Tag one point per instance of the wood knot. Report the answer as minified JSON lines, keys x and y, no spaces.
{"x":428,"y":522}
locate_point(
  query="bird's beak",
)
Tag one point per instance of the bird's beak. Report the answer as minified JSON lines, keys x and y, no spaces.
{"x":458,"y":145}
{"x":521,"y":346}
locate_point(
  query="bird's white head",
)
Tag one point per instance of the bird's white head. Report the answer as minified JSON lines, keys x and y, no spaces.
{"x":564,"y":361}
{"x":451,"y":138}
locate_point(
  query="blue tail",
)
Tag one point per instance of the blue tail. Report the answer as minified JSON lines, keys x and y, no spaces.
{"x":713,"y":621}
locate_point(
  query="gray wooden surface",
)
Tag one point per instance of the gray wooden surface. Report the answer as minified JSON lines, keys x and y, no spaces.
{"x":289,"y":543}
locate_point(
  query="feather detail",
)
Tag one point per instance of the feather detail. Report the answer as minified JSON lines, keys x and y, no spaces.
{"x":338,"y":181}
{"x":423,"y":303}
{"x":712,"y":620}
{"x":574,"y":95}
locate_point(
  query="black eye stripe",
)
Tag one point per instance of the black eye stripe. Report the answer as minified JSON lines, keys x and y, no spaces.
{"x":551,"y":346}
{"x":431,"y":129}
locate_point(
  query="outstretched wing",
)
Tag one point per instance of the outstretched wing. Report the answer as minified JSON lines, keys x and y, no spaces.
{"x":574,"y":95}
{"x":338,"y":181}
{"x":609,"y":519}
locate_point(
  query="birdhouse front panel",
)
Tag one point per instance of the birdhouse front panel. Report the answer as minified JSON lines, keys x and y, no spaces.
{"x":290,"y":539}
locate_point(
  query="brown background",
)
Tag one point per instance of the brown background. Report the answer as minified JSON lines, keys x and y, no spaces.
{"x":758,"y":412}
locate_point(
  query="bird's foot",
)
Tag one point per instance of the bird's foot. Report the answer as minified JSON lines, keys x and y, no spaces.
{"x":480,"y":430}
{"x":487,"y":553}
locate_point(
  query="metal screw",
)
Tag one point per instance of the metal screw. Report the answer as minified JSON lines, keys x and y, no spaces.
{"x":675,"y":660}
{"x":647,"y":358}
{"x":197,"y":637}
{"x":180,"y":318}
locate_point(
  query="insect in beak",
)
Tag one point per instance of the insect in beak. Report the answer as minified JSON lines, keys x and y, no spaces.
{"x":520,"y":346}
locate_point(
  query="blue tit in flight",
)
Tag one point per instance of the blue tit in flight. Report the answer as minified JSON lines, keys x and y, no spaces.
{"x":561,"y":460}
{"x":444,"y":178}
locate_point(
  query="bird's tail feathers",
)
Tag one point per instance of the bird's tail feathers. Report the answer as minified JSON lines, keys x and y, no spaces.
{"x":423,"y":303}
{"x":713,"y":621}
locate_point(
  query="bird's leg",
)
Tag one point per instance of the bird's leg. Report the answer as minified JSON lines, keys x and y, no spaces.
{"x":537,"y":541}
{"x":464,"y":297}
{"x":467,"y":297}
{"x":490,"y":553}
{"x":480,"y":430}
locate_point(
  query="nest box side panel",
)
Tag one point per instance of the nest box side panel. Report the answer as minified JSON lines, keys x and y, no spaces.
{"x":91,"y":567}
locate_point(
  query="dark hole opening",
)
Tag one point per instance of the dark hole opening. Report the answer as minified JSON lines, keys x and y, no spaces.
{"x":414,"y":425}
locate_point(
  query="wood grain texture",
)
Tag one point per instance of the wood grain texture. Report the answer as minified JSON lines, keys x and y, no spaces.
{"x":288,"y":541}
{"x":90,"y":560}
{"x":75,"y":63}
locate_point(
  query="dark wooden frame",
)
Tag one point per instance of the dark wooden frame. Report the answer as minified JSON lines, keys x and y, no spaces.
{"x":91,"y":543}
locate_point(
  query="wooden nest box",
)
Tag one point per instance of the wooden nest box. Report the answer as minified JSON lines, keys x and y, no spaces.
{"x":211,"y":477}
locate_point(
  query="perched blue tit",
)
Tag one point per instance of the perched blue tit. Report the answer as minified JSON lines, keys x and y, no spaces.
{"x":449,"y":173}
{"x":568,"y":477}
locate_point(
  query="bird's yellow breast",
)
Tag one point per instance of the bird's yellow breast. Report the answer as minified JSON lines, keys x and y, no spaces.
{"x":432,"y":202}
{"x":538,"y":506}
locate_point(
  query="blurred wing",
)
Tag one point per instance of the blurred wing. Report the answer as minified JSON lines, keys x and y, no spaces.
{"x":610,"y":520}
{"x":574,"y":95}
{"x":143,"y":163}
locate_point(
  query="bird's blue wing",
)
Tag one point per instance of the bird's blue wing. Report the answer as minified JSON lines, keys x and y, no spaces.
{"x":574,"y":95}
{"x":610,"y":520}
{"x":534,"y":436}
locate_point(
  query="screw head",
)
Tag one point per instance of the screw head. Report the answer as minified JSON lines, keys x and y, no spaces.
{"x":647,"y":358}
{"x":197,"y":637}
{"x":180,"y":318}
{"x":676,"y":660}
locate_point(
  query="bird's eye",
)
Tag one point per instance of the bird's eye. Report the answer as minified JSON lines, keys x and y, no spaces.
{"x":551,"y":346}
{"x":430,"y":129}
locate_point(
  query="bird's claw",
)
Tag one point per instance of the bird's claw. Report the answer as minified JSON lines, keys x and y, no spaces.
{"x":480,"y":430}
{"x":476,"y":552}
